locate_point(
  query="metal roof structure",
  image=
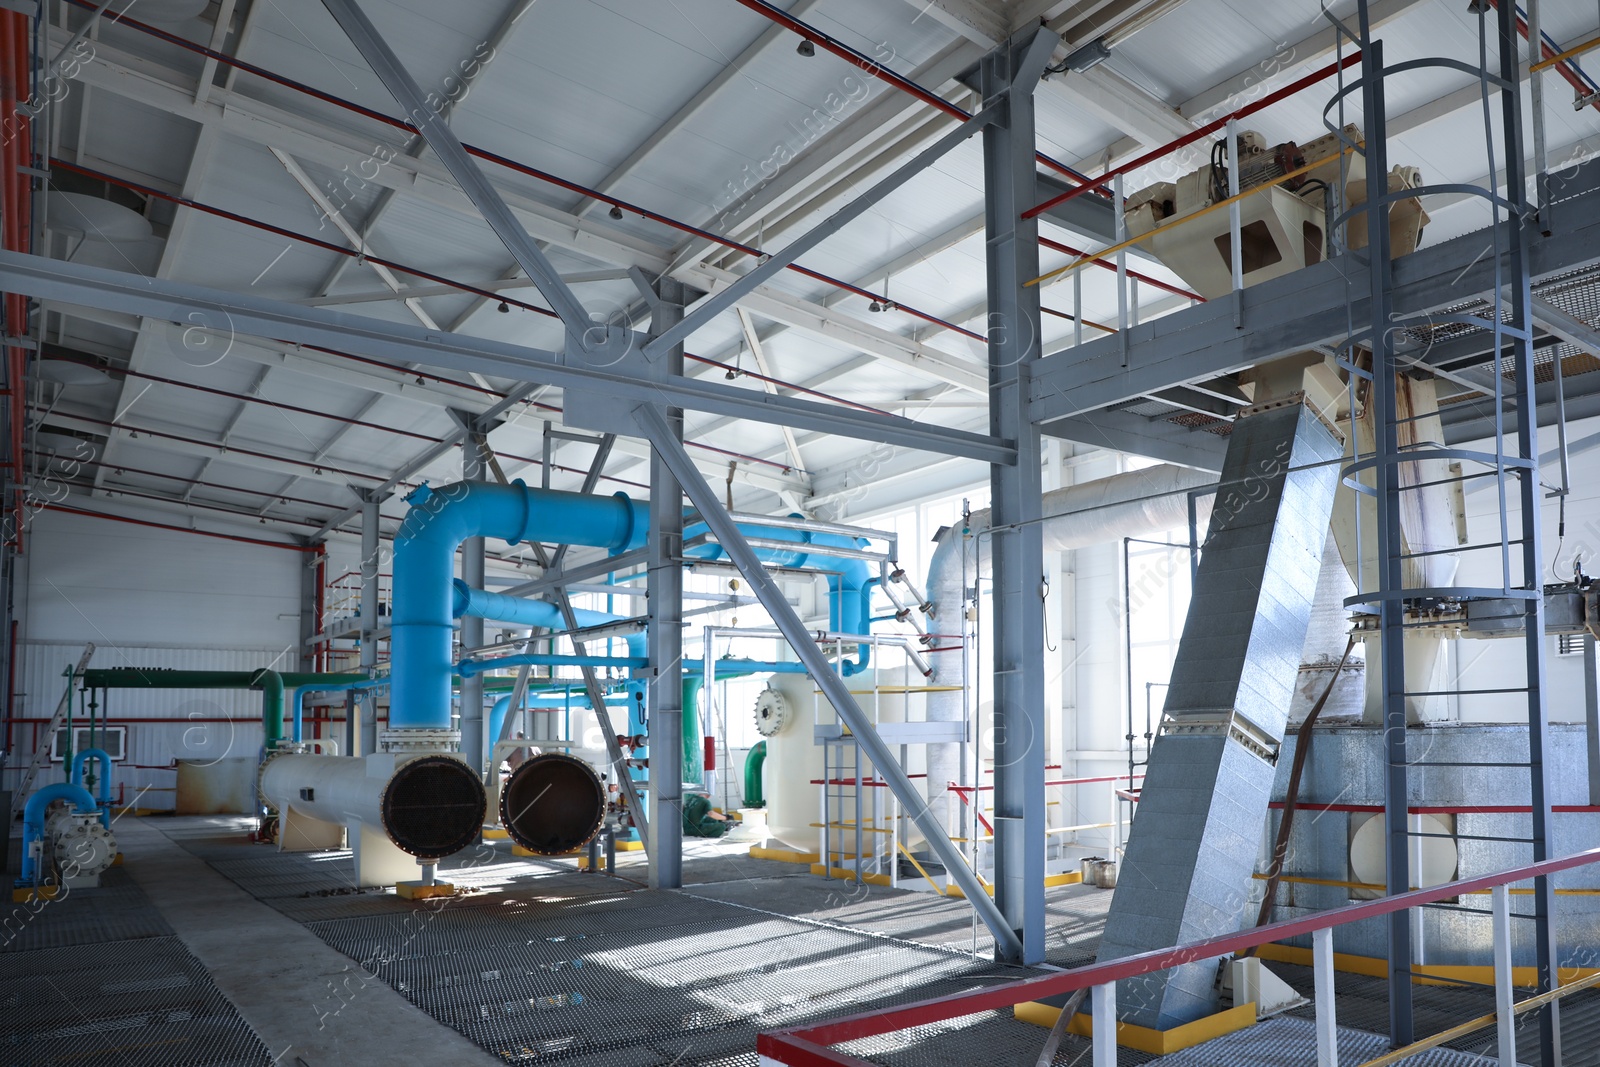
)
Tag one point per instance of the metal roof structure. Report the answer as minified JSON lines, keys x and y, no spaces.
{"x":675,"y":138}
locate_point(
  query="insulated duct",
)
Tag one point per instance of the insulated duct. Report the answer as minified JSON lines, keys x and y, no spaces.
{"x":1134,"y":504}
{"x":1197,"y":833}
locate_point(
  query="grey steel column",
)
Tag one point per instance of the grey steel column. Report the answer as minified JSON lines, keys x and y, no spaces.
{"x":1591,"y":716}
{"x":665,"y":607}
{"x":1529,"y":503}
{"x":310,"y":580}
{"x":655,"y":425}
{"x":1391,"y":542}
{"x":371,"y":563}
{"x":473,"y":748}
{"x":1018,"y":552}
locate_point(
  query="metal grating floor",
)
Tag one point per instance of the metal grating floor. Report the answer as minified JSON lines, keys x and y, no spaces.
{"x":1284,"y":1040}
{"x":1364,"y":1004}
{"x":541,"y":963}
{"x":138,"y":1003}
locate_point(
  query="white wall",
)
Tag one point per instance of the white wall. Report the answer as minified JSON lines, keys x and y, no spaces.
{"x":112,"y":582}
{"x":1498,"y":663}
{"x":154,"y":598}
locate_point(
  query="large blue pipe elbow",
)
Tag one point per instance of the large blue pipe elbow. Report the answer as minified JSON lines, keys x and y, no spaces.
{"x":104,"y":759}
{"x":424,"y":566}
{"x":33,"y":819}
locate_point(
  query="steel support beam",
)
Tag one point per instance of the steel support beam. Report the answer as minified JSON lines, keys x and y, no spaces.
{"x":1140,"y":436}
{"x":371,"y":564}
{"x":727,"y":298}
{"x":237,"y":313}
{"x":1530,"y":489}
{"x":657,"y":428}
{"x":665,"y":607}
{"x":474,"y":747}
{"x":1011,"y":73}
{"x":387,"y":66}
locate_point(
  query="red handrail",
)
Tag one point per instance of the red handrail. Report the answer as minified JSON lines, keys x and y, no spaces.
{"x":805,"y":1046}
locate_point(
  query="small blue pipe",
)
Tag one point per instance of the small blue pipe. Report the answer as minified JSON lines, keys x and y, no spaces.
{"x":33,"y":820}
{"x":850,"y":587}
{"x":299,"y":697}
{"x":469,"y":667}
{"x":104,"y":757}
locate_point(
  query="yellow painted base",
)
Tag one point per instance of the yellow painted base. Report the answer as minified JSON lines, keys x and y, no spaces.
{"x":116,"y":861}
{"x":1143,"y":1039}
{"x":783,"y":855}
{"x":29,"y":895}
{"x":1050,"y":882}
{"x":418,"y":891}
{"x":839,"y":872}
{"x":496,"y":833}
{"x":630,"y":846}
{"x":1422,"y":973}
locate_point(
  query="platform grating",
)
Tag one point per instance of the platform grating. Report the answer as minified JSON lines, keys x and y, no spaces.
{"x":142,"y":1003}
{"x":664,"y":972}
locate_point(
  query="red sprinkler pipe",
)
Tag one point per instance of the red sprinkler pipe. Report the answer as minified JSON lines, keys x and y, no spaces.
{"x":531,"y":172}
{"x":1204,"y":131}
{"x":15,"y":233}
{"x":884,"y":74}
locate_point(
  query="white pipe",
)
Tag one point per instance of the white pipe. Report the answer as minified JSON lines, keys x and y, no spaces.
{"x":1134,"y":504}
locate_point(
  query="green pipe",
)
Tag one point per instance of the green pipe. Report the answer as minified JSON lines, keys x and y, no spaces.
{"x":271,"y":683}
{"x":754,"y":793}
{"x":693,"y":750}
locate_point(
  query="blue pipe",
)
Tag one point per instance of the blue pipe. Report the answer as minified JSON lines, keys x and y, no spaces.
{"x":328,"y":687}
{"x":502,"y":707}
{"x":104,"y":758}
{"x":424,"y":565}
{"x":470,"y":667}
{"x":33,"y":820}
{"x":850,"y":589}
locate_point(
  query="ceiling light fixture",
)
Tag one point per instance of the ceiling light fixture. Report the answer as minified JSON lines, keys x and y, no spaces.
{"x":807,"y":47}
{"x":504,"y":308}
{"x":616,"y":212}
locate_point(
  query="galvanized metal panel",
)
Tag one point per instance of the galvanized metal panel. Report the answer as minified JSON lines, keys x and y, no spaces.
{"x":1192,"y":849}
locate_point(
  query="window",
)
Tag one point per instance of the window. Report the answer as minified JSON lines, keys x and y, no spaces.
{"x":1157,"y":606}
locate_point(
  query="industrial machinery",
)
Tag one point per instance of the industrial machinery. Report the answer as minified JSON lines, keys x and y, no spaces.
{"x":66,"y":839}
{"x":75,"y":848}
{"x":1282,"y":228}
{"x":553,"y":804}
{"x":400,"y":809}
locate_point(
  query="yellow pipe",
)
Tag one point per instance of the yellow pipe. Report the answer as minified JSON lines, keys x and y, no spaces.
{"x":1593,"y":42}
{"x":1481,"y":1022}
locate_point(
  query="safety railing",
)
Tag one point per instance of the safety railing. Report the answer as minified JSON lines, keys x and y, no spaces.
{"x":1116,"y":786}
{"x":814,"y":1045}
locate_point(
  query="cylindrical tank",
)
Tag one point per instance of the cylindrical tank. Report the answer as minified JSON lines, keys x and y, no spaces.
{"x":794,"y":758}
{"x":553,"y":804}
{"x":429,"y":805}
{"x":793,"y":761}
